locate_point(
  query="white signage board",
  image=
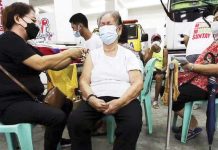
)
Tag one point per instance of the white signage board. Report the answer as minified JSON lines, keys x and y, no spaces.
{"x":47,"y":28}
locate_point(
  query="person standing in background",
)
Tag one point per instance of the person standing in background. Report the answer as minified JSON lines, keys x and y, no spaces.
{"x":79,"y":24}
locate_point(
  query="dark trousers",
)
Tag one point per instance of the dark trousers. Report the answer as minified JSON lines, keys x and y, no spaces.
{"x":188,"y":93}
{"x":128,"y":120}
{"x":31,"y":112}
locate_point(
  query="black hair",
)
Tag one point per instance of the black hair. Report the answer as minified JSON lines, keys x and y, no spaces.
{"x":79,"y":18}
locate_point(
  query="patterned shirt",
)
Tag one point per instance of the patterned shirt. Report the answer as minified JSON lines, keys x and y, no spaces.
{"x":197,"y":79}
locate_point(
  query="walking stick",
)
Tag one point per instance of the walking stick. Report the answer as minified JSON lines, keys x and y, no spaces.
{"x":171,"y":69}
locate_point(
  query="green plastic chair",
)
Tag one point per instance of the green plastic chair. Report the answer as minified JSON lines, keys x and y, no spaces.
{"x":23,"y":132}
{"x":111,"y":125}
{"x":145,"y":95}
{"x":24,"y":135}
{"x":187,"y":118}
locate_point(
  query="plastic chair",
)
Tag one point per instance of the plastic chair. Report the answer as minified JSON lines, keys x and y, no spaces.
{"x":187,"y":118}
{"x":24,"y":135}
{"x":145,"y":95}
{"x":111,"y":125}
{"x":23,"y":132}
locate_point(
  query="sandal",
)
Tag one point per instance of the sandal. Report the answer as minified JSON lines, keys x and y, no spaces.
{"x":155,"y":105}
{"x":192,"y":133}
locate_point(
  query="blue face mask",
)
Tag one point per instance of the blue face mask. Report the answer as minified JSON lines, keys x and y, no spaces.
{"x":108,"y":34}
{"x":76,"y":34}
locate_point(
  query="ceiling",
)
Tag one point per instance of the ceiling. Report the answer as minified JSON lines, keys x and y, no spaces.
{"x":83,"y":3}
{"x":93,"y":6}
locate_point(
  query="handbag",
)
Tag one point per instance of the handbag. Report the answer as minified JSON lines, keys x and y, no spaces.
{"x":54,"y":96}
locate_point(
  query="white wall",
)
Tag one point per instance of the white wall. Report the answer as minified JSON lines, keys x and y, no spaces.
{"x":62,"y":13}
{"x":92,"y":20}
{"x":8,"y":2}
{"x":148,"y":17}
{"x":151,"y":16}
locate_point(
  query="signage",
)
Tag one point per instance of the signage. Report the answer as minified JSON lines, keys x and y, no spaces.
{"x":47,"y":28}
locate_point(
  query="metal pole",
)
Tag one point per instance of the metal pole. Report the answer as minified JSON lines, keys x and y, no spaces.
{"x":171,"y":69}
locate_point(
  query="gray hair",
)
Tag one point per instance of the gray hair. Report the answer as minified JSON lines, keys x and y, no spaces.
{"x":114,"y":14}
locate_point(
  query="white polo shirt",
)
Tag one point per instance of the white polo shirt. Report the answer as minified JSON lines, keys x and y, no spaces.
{"x":109,"y":76}
{"x":94,"y":42}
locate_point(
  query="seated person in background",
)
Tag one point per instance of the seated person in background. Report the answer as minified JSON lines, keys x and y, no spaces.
{"x":193,"y":83}
{"x":25,"y":63}
{"x":195,"y":42}
{"x":161,"y":53}
{"x":110,"y":83}
{"x":79,"y":24}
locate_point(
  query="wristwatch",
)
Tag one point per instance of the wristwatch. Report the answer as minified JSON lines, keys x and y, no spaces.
{"x":90,"y":95}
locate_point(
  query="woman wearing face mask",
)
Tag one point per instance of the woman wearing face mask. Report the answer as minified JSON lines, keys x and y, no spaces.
{"x":110,"y":83}
{"x":193,"y":83}
{"x":161,"y":54}
{"x":25,"y":63}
